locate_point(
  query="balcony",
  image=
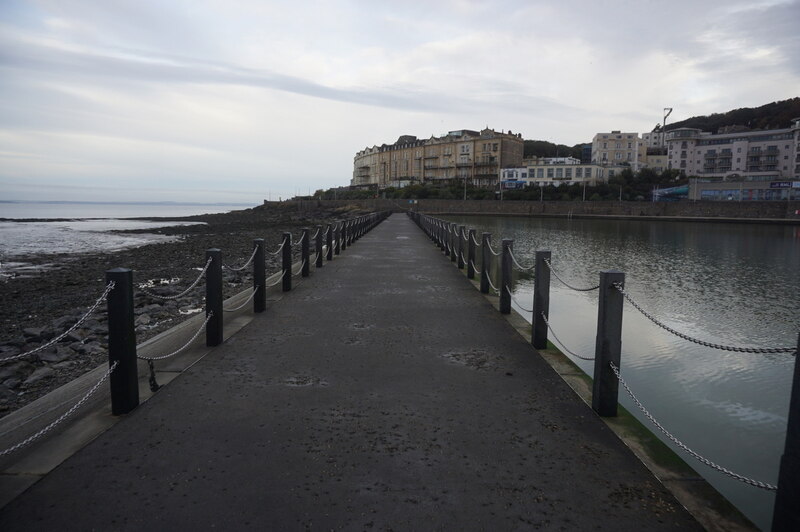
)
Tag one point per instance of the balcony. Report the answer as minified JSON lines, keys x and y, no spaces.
{"x":461,"y":164}
{"x":754,"y":151}
{"x":485,"y":163}
{"x":710,"y":155}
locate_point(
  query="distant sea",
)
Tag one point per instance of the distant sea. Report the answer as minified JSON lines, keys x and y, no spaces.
{"x":71,"y":209}
{"x":88,"y":229}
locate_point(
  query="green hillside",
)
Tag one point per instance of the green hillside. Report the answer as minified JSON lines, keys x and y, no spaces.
{"x":773,"y":115}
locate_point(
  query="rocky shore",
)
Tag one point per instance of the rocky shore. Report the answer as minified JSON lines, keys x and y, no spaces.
{"x":46,"y":302}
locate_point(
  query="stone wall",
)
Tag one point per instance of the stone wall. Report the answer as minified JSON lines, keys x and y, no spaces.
{"x":786,"y":211}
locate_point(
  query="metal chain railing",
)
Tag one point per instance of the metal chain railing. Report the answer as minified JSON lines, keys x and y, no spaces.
{"x":183,"y":347}
{"x":64,"y":416}
{"x":280,"y":248}
{"x":278,"y":281}
{"x":191,"y":286}
{"x":63,"y":335}
{"x":300,"y":269}
{"x":514,"y":299}
{"x":762,"y":350}
{"x":492,"y":285}
{"x":576,"y":355}
{"x":683,"y":446}
{"x":493,"y":252}
{"x":521,"y":267}
{"x":240,"y":307}
{"x":246,"y":264}
{"x":547,"y":261}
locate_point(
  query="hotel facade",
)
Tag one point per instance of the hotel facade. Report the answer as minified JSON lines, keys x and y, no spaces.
{"x":462,"y":155}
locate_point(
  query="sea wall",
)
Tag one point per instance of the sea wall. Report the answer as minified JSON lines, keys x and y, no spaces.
{"x":779,"y":211}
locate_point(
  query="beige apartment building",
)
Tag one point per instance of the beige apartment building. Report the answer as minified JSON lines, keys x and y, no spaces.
{"x":616,"y":148}
{"x":764,"y":155}
{"x":459,"y":156}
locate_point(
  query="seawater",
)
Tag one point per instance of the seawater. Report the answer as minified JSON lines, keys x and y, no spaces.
{"x":731,"y":284}
{"x":89,"y":228}
{"x":34,"y":209}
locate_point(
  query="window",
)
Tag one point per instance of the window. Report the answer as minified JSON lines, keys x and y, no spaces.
{"x":618,"y":155}
{"x":605,"y":156}
{"x":579,"y":172}
{"x":619,"y":145}
{"x":550,"y":173}
{"x":588,"y":173}
{"x":540,"y":173}
{"x":738,"y":150}
{"x":630,"y":145}
{"x":465,"y":148}
{"x":683,"y":155}
{"x":683,"y":145}
{"x":630,"y":156}
{"x":494,"y":146}
{"x":605,"y":145}
{"x":568,"y":174}
{"x":524,"y":175}
{"x":559,"y":172}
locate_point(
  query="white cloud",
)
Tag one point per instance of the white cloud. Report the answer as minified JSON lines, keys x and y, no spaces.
{"x":253,"y":96}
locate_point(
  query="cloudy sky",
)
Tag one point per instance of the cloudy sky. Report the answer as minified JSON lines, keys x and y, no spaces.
{"x":241,"y":100}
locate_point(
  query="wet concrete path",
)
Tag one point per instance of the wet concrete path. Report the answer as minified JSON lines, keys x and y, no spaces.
{"x":384,"y":392}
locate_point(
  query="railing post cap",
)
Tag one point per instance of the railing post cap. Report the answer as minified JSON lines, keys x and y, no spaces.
{"x":612,"y":271}
{"x":258,"y":240}
{"x":119,"y":270}
{"x":213,"y":250}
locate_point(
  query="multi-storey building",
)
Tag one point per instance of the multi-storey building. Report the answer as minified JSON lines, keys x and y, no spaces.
{"x":764,"y":155}
{"x":547,"y":173}
{"x":617,"y":148}
{"x":459,"y":156}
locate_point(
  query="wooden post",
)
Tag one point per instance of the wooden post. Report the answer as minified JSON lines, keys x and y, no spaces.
{"x":471,"y":254}
{"x":286,"y":263}
{"x":304,"y":252}
{"x":259,"y":277}
{"x":318,"y":248}
{"x":124,"y":380}
{"x":486,"y":258}
{"x":453,"y":247}
{"x":329,"y":242}
{"x":608,"y":345}
{"x":214,"y":297}
{"x":505,"y":277}
{"x":786,"y":516}
{"x":541,"y":300}
{"x":460,"y":247}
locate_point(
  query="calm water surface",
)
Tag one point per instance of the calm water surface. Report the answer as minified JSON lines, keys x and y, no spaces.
{"x":732,"y":284}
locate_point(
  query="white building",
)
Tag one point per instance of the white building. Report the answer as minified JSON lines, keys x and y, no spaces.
{"x":765,"y":155}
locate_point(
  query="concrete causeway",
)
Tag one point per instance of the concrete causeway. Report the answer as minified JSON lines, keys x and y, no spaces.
{"x":383,"y":392}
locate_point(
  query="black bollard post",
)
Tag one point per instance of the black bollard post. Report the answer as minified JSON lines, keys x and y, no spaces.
{"x":486,"y":258}
{"x":259,"y":277}
{"x":460,"y":247}
{"x":286,"y":263}
{"x":608,"y":345}
{"x":318,"y":247}
{"x":337,"y":233}
{"x":453,"y":242}
{"x":304,"y":251}
{"x":471,"y":254}
{"x":343,"y":234}
{"x":505,"y":277}
{"x":541,"y":300}
{"x":214,"y":297}
{"x":124,"y":380}
{"x":329,"y":242}
{"x":787,"y":512}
